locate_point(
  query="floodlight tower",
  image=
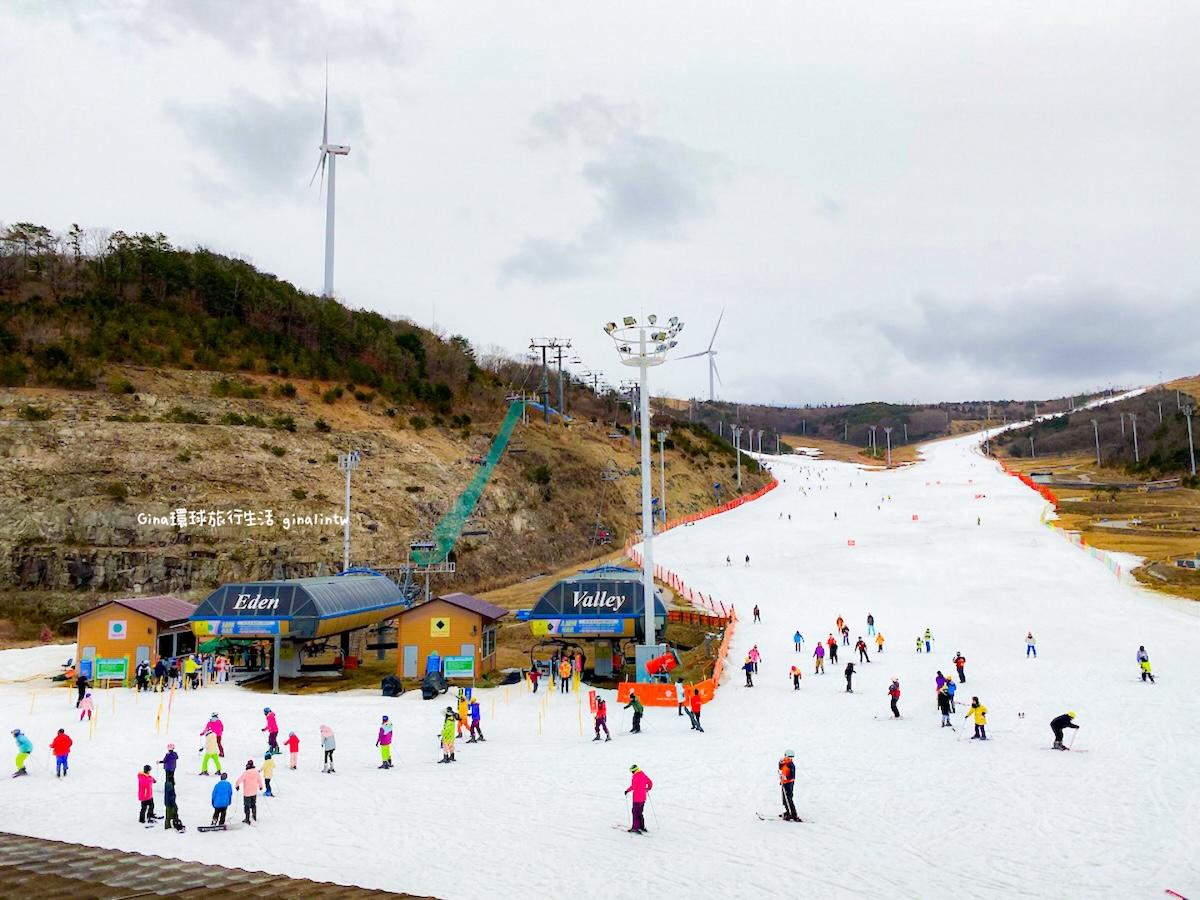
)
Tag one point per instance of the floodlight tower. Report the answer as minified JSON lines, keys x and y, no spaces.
{"x":644,"y":346}
{"x":737,"y":452}
{"x":888,"y":432}
{"x":1187,"y":411}
{"x":1137,"y":458}
{"x":662,"y":476}
{"x":1096,"y":429}
{"x":347,"y":462}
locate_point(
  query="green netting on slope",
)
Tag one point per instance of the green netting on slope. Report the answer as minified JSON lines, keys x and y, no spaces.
{"x":451,"y":525}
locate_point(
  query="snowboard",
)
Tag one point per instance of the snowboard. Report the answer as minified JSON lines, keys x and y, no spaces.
{"x":692,"y":717}
{"x":212,"y":828}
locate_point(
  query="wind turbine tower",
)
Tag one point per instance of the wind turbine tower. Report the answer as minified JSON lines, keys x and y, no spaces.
{"x":712,"y":360}
{"x":329,"y":152}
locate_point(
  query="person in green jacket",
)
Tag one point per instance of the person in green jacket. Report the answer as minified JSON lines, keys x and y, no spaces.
{"x":448,"y":723}
{"x":637,"y":713}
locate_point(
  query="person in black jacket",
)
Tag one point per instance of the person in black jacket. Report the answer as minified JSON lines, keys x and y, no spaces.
{"x":943,"y":700}
{"x":849,"y":675}
{"x":81,"y":685}
{"x":1058,"y":724}
{"x":749,"y":670}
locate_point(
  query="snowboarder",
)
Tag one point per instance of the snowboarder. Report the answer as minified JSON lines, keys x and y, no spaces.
{"x":146,"y":796}
{"x":755,"y":657}
{"x":449,"y":719}
{"x":217,"y":727}
{"x":476,"y":731}
{"x":1058,"y":724}
{"x":169,"y":761}
{"x":979,"y":711}
{"x":757,"y":617}
{"x":697,"y":705}
{"x":249,"y":783}
{"x":602,"y":719}
{"x":24,"y":748}
{"x":819,"y":655}
{"x":1030,"y":645}
{"x":171,"y":819}
{"x":293,"y":745}
{"x":870,"y":624}
{"x":637,"y":711}
{"x":211,"y":752}
{"x":849,"y":675}
{"x":861,"y":647}
{"x":272,"y":730}
{"x":86,"y":706}
{"x":894,"y":693}
{"x":960,"y":662}
{"x":222,"y":796}
{"x":928,"y":641}
{"x":749,"y":670}
{"x":640,"y":784}
{"x":798,"y":639}
{"x":787,"y":784}
{"x":879,"y":642}
{"x":833,"y":647}
{"x":1144,"y":664}
{"x":943,"y":699}
{"x":268,"y":770}
{"x":795,"y":678}
{"x":680,"y":694}
{"x":329,"y":744}
{"x":61,"y":748}
{"x":384,"y":743}
{"x":81,"y":685}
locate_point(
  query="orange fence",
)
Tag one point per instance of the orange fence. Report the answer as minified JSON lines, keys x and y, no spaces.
{"x":664,"y":694}
{"x":1048,"y":494}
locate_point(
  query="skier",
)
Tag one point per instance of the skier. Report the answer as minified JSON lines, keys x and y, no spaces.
{"x":293,"y":745}
{"x":217,"y":727}
{"x":61,"y":748}
{"x":169,"y":761}
{"x":249,"y":783}
{"x":840,"y":624}
{"x":951,"y":689}
{"x":461,"y":705}
{"x":384,"y":743}
{"x":1030,"y":645}
{"x":473,"y":709}
{"x":755,"y":657}
{"x":757,"y":617}
{"x":1058,"y":724}
{"x":728,"y":561}
{"x":845,"y":635}
{"x":222,"y":796}
{"x":146,"y":796}
{"x":329,"y":744}
{"x":979,"y":711}
{"x":1144,"y":663}
{"x":602,"y":719}
{"x":211,"y":752}
{"x":849,"y":675}
{"x":81,"y":685}
{"x":680,"y":694}
{"x":928,"y":641}
{"x":943,"y":699}
{"x":268,"y":770}
{"x":697,"y":705}
{"x":798,"y":639}
{"x":24,"y":748}
{"x":448,"y":721}
{"x":787,"y":784}
{"x":86,"y":706}
{"x":640,"y":784}
{"x":940,"y":680}
{"x":795,"y":678}
{"x":747,"y":559}
{"x":833,"y":647}
{"x":879,"y":642}
{"x":960,"y":662}
{"x":919,"y":644}
{"x":870,"y":624}
{"x":819,"y":655}
{"x":894,"y":693}
{"x":749,"y":670}
{"x":272,"y":730}
{"x":171,"y":819}
{"x":861,"y":647}
{"x":637,"y":711}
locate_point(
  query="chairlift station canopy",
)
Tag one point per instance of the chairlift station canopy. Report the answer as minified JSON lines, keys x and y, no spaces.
{"x":608,"y":602}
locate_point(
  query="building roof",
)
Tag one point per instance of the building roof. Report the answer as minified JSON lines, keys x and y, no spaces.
{"x":473,"y":604}
{"x":165,"y":608}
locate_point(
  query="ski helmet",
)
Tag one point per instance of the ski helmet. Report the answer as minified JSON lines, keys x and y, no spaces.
{"x":385,"y":718}
{"x":170,"y":746}
{"x":633,"y":768}
{"x":788,"y":754}
{"x":16,"y":731}
{"x":266,"y":709}
{"x":213,"y":716}
{"x":146,"y":769}
{"x":1071,"y":714}
{"x":249,"y":764}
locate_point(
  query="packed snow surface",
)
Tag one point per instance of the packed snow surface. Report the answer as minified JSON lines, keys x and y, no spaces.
{"x":892,"y":808}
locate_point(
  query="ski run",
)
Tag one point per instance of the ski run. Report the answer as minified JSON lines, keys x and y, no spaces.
{"x":906,"y":809}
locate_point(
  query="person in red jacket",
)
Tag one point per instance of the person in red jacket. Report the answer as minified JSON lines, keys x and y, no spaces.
{"x":696,"y":705}
{"x":293,"y":745}
{"x":60,"y":746}
{"x":894,"y":693}
{"x":640,"y":785}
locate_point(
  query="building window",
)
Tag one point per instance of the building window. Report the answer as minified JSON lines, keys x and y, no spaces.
{"x":489,"y":642}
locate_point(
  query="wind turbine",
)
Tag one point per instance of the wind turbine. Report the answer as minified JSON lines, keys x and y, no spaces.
{"x":712,"y":360}
{"x":329,"y":152}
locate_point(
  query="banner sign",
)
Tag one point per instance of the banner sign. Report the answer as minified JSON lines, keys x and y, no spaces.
{"x":117,"y":629}
{"x":581,"y":626}
{"x":236,"y":627}
{"x":458,"y":666}
{"x":250,"y":601}
{"x":111,"y":669}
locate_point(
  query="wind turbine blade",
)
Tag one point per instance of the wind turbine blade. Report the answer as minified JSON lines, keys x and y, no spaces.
{"x":693,"y":355}
{"x":714,"y":337}
{"x":320,"y":168}
{"x":716,"y":371}
{"x":325,"y":126}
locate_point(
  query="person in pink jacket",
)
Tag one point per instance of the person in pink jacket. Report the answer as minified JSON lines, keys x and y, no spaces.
{"x":217,"y":727}
{"x":755,"y":657}
{"x":249,"y":783}
{"x":272,"y":730}
{"x":86,"y":705}
{"x":640,"y":785}
{"x":146,"y":796}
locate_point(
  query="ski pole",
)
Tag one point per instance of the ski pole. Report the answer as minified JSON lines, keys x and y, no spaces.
{"x":1074,"y":732}
{"x":652,"y":812}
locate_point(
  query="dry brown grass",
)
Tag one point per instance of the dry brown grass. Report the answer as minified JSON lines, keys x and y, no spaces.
{"x":839,"y":452}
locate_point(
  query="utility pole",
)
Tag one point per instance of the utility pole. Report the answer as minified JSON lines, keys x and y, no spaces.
{"x":1122,"y":415}
{"x":871,"y":443}
{"x":1133,"y":419}
{"x":888,"y":432}
{"x":846,"y":431}
{"x":1032,"y":452}
{"x":544,"y":344}
{"x":1187,"y":411}
{"x":737,"y":449}
{"x":662,"y":477}
{"x":1096,"y":428}
{"x":906,"y":432}
{"x":776,"y":443}
{"x":347,"y":462}
{"x":560,"y":346}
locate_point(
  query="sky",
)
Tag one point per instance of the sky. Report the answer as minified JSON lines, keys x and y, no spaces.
{"x":928,"y":201}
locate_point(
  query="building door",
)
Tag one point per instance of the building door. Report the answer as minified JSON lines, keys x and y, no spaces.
{"x":410,"y":660}
{"x":467,"y":650}
{"x":143,"y":653}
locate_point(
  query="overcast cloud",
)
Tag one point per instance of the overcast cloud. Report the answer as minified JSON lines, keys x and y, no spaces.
{"x":922,"y":201}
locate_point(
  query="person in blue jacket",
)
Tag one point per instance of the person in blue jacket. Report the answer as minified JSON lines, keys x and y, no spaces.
{"x":169,"y":761}
{"x":222,"y":796}
{"x":24,"y":748}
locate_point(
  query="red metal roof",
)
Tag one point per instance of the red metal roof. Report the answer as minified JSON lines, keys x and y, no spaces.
{"x":165,"y":608}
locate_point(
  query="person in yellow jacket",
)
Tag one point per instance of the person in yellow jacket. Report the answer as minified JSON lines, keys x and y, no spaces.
{"x":879,"y":642}
{"x":190,"y":667}
{"x":565,"y":669}
{"x":979,"y":711}
{"x":462,"y":713}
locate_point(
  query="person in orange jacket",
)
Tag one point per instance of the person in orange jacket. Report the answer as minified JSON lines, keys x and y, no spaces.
{"x":787,"y":784}
{"x":565,"y":669}
{"x":60,"y":747}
